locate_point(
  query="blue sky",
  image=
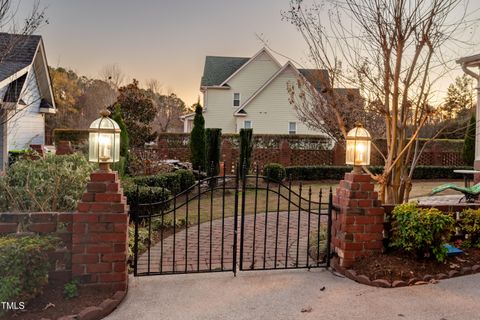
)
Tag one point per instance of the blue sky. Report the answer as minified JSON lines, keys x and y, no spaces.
{"x":167,"y":40}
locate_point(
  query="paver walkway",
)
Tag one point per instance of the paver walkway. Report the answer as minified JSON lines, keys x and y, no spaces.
{"x":206,"y":250}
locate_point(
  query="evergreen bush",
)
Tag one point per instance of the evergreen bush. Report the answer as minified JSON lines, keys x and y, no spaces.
{"x":197,"y":140}
{"x":213,"y":138}
{"x":274,"y":172}
{"x":469,"y":142}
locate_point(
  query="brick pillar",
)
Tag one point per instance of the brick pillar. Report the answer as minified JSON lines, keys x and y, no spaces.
{"x":226,"y":152}
{"x":338,"y":155}
{"x":285,"y":153}
{"x":100,"y":234}
{"x":357,"y":228}
{"x":163,"y":148}
{"x":64,"y":147}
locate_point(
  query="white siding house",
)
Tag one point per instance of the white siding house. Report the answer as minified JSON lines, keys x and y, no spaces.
{"x":249,"y":92}
{"x":25,"y":93}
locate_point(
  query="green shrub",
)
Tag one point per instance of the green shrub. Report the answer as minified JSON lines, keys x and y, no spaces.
{"x":338,"y":172}
{"x":142,"y":240}
{"x":70,"y":290}
{"x":55,"y":183}
{"x":75,"y":136}
{"x":24,"y":266}
{"x":186,"y":178}
{"x":15,"y":155}
{"x":197,"y":139}
{"x":170,"y":181}
{"x":470,"y":225}
{"x":468,"y":151}
{"x":143,"y":194}
{"x":421,"y":231}
{"x":213,"y":139}
{"x":274,"y":172}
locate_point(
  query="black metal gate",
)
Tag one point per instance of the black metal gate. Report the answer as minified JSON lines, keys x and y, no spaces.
{"x":225,"y":223}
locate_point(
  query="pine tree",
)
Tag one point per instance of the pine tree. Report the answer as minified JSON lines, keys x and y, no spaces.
{"x":197,"y":140}
{"x":469,"y":142}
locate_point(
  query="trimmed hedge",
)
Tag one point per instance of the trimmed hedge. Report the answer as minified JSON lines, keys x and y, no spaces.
{"x":169,"y":181}
{"x":338,"y":172}
{"x":274,"y":172}
{"x":75,"y":136}
{"x":142,"y":195}
{"x":186,"y":177}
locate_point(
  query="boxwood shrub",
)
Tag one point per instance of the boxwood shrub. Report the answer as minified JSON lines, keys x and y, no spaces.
{"x":274,"y":172}
{"x":186,"y":178}
{"x":170,"y":181}
{"x":338,"y":172}
{"x":137,"y":195}
{"x":422,"y":232}
{"x":24,"y":266}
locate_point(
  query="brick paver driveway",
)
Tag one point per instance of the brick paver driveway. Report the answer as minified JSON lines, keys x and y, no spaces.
{"x":285,"y":244}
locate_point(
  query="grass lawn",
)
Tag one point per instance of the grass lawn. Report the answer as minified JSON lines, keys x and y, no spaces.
{"x":217,"y":206}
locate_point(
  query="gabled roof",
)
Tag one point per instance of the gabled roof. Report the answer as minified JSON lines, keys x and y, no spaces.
{"x":316,"y":77}
{"x":16,"y":52}
{"x":19,"y":55}
{"x":218,"y":69}
{"x":241,"y":112}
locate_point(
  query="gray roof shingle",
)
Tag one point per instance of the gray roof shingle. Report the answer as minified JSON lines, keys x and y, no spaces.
{"x":16,"y":52}
{"x":218,"y":69}
{"x":315,"y":77}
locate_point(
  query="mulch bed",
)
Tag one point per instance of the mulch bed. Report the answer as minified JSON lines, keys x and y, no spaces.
{"x":52,"y":296}
{"x":398,"y":266}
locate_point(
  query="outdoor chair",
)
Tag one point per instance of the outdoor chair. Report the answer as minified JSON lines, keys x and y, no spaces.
{"x":470,"y":194}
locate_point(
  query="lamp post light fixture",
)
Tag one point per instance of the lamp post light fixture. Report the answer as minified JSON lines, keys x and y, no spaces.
{"x":104,"y":141}
{"x":358,"y":148}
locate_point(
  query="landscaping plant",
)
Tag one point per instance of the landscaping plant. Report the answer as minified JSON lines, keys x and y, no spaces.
{"x":421,"y":231}
{"x":24,"y":266}
{"x":470,"y":226}
{"x":274,"y":172}
{"x":197,"y":140}
{"x":54,"y":183}
{"x":122,"y":165}
{"x":213,"y":138}
{"x":469,"y":142}
{"x":70,"y":289}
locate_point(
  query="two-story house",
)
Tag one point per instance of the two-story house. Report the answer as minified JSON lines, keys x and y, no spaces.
{"x":25,"y":93}
{"x":249,"y":93}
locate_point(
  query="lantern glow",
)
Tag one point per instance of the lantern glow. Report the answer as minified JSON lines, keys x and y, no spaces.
{"x":358,"y":147}
{"x":104,"y":140}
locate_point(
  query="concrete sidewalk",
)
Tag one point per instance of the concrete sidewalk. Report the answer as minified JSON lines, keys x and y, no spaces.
{"x":283,"y":295}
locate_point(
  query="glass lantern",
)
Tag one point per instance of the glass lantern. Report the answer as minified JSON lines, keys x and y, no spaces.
{"x":359,"y":144}
{"x":104,"y":140}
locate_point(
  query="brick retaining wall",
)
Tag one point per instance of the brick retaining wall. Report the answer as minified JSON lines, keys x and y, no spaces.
{"x":53,"y":223}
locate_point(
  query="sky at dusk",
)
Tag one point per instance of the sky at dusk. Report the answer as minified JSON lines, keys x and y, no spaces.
{"x":167,"y":40}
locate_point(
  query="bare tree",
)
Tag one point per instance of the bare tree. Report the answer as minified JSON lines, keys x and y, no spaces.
{"x":169,"y":107}
{"x":112,"y":73}
{"x":393,"y":50}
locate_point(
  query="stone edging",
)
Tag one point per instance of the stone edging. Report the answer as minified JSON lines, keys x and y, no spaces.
{"x":98,"y":312}
{"x":383,"y":283}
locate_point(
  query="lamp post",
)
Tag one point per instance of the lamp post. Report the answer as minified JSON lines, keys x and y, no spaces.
{"x":358,"y":148}
{"x":104,"y":141}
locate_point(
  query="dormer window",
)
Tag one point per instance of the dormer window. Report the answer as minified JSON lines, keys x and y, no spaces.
{"x":236,"y":99}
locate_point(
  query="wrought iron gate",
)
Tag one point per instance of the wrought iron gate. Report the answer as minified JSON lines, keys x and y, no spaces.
{"x":225,"y":223}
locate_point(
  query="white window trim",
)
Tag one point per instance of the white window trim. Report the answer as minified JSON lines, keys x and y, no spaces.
{"x":296,"y":127}
{"x":239,"y":100}
{"x":251,"y":124}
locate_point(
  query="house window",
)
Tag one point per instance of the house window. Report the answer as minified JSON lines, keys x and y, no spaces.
{"x":247,"y":124}
{"x":236,"y":99}
{"x":292,"y":128}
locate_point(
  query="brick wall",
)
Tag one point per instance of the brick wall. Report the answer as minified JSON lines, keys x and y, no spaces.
{"x":294,"y":150}
{"x":52,"y":223}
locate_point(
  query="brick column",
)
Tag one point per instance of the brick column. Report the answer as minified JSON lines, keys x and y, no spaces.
{"x":285,"y":153}
{"x":357,"y":228}
{"x":100,"y":234}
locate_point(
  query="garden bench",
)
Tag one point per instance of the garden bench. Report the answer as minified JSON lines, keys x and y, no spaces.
{"x":471,"y":194}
